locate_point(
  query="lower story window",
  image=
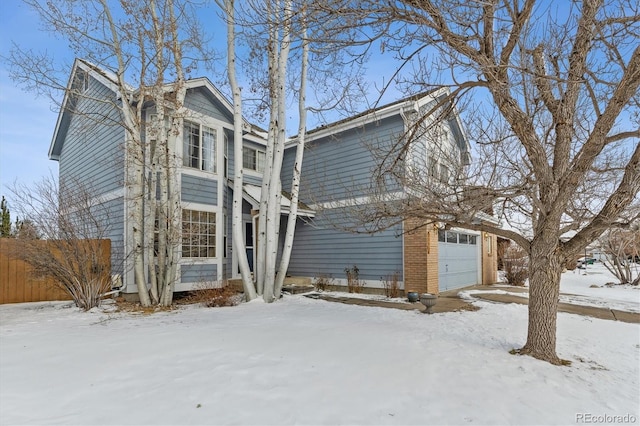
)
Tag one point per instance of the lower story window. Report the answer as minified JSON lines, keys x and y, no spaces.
{"x":198,"y":234}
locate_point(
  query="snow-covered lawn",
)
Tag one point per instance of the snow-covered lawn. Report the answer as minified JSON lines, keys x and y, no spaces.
{"x":590,"y":287}
{"x":303,"y":361}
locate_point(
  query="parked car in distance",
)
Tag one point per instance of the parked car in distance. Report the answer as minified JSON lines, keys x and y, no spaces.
{"x":585,"y":261}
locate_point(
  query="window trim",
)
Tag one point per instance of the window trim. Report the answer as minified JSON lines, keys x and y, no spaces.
{"x":187,"y":158}
{"x":258,"y":163}
{"x":210,"y":239}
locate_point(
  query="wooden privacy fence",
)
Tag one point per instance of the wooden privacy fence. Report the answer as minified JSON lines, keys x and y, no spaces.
{"x":19,"y":284}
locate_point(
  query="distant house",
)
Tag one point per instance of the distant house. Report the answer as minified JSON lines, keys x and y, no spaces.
{"x":336,"y":162}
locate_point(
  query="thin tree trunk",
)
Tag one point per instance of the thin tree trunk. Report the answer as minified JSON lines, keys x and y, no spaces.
{"x":150,"y":220}
{"x":297,"y":169}
{"x":136,"y":185}
{"x":236,"y":220}
{"x":170,"y":191}
{"x":275,"y":187}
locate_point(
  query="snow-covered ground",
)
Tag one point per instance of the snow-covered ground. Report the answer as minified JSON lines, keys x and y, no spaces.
{"x":595,"y":286}
{"x":303,"y":361}
{"x":588,"y":287}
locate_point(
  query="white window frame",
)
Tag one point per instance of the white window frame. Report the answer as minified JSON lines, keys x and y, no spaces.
{"x":210,"y":243}
{"x":187,"y":158}
{"x":259,"y":154}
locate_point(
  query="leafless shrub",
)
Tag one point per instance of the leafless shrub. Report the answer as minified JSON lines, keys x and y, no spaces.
{"x":516,"y":265}
{"x":354,"y":283}
{"x":213,"y":296}
{"x":323,"y":282}
{"x":68,"y":242}
{"x":391,"y":287}
{"x":621,"y":248}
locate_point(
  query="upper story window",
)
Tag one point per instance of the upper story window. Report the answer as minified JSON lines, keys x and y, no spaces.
{"x":199,"y":147}
{"x":253,"y":159}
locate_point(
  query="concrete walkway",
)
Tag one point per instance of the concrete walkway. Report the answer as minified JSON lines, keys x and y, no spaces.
{"x":449,"y":301}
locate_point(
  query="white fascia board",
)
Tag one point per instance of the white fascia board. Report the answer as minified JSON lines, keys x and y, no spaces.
{"x":204,"y":82}
{"x":91,"y":70}
{"x":373,"y":116}
{"x":484,"y":217}
{"x":106,"y":78}
{"x":254,"y":138}
{"x":63,"y":108}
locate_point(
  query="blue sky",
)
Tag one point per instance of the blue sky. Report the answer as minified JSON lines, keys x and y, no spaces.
{"x":27,"y":122}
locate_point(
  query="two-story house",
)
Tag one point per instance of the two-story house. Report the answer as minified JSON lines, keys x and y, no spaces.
{"x":89,"y":145}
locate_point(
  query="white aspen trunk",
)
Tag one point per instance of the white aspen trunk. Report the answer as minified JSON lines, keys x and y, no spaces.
{"x":162,"y":207}
{"x":272,"y":61}
{"x":236,"y":220}
{"x":275,"y":187}
{"x":297,"y":169}
{"x":167,"y":239}
{"x":156,"y":207}
{"x":170,"y":194}
{"x":135,"y":161}
{"x":150,"y":219}
{"x":174,"y":213}
{"x":136,"y":166}
{"x":136,"y":221}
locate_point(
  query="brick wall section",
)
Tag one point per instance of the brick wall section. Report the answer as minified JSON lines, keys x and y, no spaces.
{"x":489,"y":259}
{"x":432,"y":261}
{"x":420,"y":259}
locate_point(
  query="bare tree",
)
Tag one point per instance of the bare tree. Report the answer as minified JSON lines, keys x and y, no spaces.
{"x":286,"y":38}
{"x":144,"y":43}
{"x":553,"y":108}
{"x":236,"y":222}
{"x":621,"y":249}
{"x":71,"y":245}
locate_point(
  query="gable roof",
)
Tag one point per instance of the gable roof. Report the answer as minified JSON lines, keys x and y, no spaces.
{"x":109,"y":80}
{"x":410,"y":104}
{"x":79,"y":67}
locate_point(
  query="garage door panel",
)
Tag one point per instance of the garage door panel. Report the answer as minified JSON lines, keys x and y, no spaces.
{"x":457,"y":263}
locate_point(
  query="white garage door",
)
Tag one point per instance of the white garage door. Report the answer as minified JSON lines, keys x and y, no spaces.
{"x":458,"y":259}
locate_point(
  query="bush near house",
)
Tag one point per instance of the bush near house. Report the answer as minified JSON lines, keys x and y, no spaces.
{"x":213,"y":296}
{"x":516,"y":265}
{"x":354,"y":283}
{"x":391,"y":286}
{"x":323,"y":282}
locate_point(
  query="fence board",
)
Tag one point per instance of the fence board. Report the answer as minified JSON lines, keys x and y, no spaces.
{"x":18,"y":284}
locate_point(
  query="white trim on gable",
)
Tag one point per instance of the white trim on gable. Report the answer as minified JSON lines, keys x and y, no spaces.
{"x":102,"y":76}
{"x":397,"y":108}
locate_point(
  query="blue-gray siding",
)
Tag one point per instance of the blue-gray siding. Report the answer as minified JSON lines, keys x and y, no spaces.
{"x":204,"y":273}
{"x":92,"y":152}
{"x":322,"y":248}
{"x":247,"y":178}
{"x":201,"y":101}
{"x":111,"y":216}
{"x":340,"y":166}
{"x":201,"y":190}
